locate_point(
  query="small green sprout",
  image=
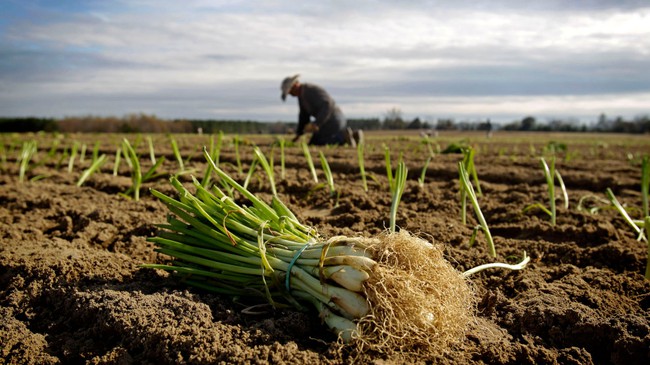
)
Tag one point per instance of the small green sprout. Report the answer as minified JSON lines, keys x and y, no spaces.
{"x":466,"y":186}
{"x":259,"y":156}
{"x":73,"y":155}
{"x":423,"y":174}
{"x":177,"y":153}
{"x":94,"y":167}
{"x":152,"y":154}
{"x":116,"y":165}
{"x":550,"y":174}
{"x":399,"y":184}
{"x":328,"y":173}
{"x":362,"y":169}
{"x":26,"y":154}
{"x":236,"y":141}
{"x":310,"y":162}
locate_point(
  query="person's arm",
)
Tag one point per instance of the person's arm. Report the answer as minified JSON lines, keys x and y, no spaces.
{"x":303,"y":120}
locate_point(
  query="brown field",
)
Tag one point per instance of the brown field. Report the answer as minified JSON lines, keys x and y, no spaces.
{"x":71,"y":290}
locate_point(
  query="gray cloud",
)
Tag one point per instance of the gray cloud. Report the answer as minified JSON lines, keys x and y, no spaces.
{"x":203,"y":59}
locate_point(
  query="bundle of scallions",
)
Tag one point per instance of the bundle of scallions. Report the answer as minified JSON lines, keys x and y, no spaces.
{"x":391,"y":293}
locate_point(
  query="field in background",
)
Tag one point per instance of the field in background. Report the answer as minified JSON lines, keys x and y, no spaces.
{"x":71,"y":290}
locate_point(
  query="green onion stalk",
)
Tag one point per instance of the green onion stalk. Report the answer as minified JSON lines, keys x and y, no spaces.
{"x":468,"y":189}
{"x":393,"y":293}
{"x":94,"y":167}
{"x":645,"y":186}
{"x":73,"y":155}
{"x":310,"y":161}
{"x":177,"y":153}
{"x":26,"y":154}
{"x":400,"y":184}
{"x":328,"y":173}
{"x":261,"y":250}
{"x":646,"y":223}
{"x":549,"y":174}
{"x":362,"y":169}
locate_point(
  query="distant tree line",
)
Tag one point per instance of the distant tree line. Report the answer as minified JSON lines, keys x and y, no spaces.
{"x":639,"y":124}
{"x":139,"y":123}
{"x":28,"y":124}
{"x":393,"y":120}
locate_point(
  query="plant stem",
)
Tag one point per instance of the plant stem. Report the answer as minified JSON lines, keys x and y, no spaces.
{"x":647,"y":234}
{"x":73,"y":155}
{"x":282,"y":143}
{"x":400,"y":183}
{"x":565,"y":195}
{"x":466,"y":185}
{"x":267,"y":168}
{"x":116,"y":165}
{"x":96,"y":165}
{"x":619,"y":207}
{"x":424,"y":172}
{"x":310,"y":162}
{"x":328,"y":173}
{"x":362,"y":169}
{"x":522,"y":264}
{"x":549,"y":174}
{"x":177,"y":153}
{"x":136,"y":172}
{"x":152,"y":154}
{"x":645,"y":185}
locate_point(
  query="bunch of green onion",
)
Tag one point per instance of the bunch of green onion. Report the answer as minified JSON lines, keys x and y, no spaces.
{"x":262,"y":250}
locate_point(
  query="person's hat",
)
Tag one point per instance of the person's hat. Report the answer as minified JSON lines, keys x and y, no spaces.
{"x":287,"y":83}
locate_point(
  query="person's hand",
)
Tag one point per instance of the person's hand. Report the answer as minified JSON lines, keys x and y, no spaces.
{"x":295,"y":139}
{"x":311,"y":128}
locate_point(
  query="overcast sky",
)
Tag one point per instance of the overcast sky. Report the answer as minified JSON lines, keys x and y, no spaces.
{"x":468,"y":60}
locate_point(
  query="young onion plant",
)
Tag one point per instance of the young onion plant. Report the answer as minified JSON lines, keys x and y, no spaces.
{"x":467,"y":187}
{"x":236,"y":141}
{"x":152,"y":154}
{"x":423,"y":174}
{"x":310,"y":162}
{"x":645,"y":186}
{"x":470,"y":167}
{"x":137,"y":177}
{"x":640,"y":226}
{"x":26,"y":154}
{"x":95,"y":153}
{"x":392,"y":184}
{"x":82,"y":153}
{"x":177,"y":154}
{"x":400,"y":184}
{"x":94,"y":167}
{"x":362,"y":169}
{"x":73,"y":155}
{"x":635,"y":224}
{"x":328,"y":173}
{"x":646,"y":223}
{"x":551,"y":174}
{"x":215,"y":152}
{"x":116,"y":164}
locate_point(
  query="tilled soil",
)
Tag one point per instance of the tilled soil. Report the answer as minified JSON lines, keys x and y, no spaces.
{"x":72,"y":290}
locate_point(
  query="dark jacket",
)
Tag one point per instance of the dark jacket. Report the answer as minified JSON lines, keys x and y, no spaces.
{"x":315,"y":102}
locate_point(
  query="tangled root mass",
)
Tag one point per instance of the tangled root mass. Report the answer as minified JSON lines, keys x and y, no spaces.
{"x":419,"y":303}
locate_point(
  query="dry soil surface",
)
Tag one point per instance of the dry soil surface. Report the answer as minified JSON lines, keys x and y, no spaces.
{"x":71,"y":290}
